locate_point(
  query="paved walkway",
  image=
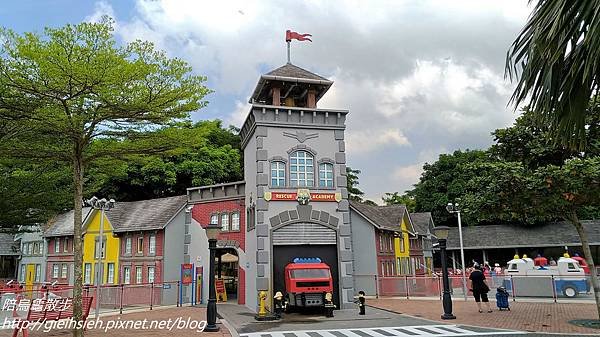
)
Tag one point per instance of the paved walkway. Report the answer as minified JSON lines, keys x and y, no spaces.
{"x":178,"y":315}
{"x":533,"y":317}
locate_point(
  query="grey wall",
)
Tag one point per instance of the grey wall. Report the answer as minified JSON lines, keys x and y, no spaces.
{"x":173,"y":254}
{"x":365,"y":256}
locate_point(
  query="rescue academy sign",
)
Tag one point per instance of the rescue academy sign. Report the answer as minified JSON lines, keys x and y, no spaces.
{"x":301,"y":195}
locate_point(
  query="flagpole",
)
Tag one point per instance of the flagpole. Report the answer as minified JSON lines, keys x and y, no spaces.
{"x":288,"y":51}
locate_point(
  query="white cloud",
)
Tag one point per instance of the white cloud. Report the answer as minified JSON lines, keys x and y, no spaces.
{"x":417,"y":77}
{"x":101,"y":8}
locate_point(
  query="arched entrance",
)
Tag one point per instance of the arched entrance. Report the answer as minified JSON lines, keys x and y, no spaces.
{"x":304,"y":239}
{"x":228,"y":270}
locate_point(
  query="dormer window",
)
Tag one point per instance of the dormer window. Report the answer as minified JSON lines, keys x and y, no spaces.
{"x":302,"y":169}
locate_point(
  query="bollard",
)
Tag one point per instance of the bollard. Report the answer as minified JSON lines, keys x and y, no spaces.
{"x":151,"y":294}
{"x":121,"y":299}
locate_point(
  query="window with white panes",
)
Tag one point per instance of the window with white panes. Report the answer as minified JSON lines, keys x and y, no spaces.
{"x":110,"y":274}
{"x":302,"y":169}
{"x":225,"y":222}
{"x":138,"y":275}
{"x":325,"y":175}
{"x":214,"y":219}
{"x":128,"y":245}
{"x":87,"y":274}
{"x":38,"y":273}
{"x":64,"y":270}
{"x":235,"y":221}
{"x":277,"y":174}
{"x":127,"y":275}
{"x":150,"y":274}
{"x":57,"y":245}
{"x":55,"y":270}
{"x":152,"y":245}
{"x":66,"y":245}
{"x":23,"y":270}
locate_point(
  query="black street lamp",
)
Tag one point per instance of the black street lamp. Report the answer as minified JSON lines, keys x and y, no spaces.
{"x":441,"y":232}
{"x":212,"y":232}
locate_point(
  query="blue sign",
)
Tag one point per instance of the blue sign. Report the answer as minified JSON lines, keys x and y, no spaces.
{"x":166,"y":286}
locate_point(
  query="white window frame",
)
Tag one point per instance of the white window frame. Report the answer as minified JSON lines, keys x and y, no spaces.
{"x":324,"y":170}
{"x":128,"y":245}
{"x":55,"y":271}
{"x":277,"y":174}
{"x":139,"y":275}
{"x":214,"y":219}
{"x":87,"y":273}
{"x":38,"y":273}
{"x":57,"y":245}
{"x":224,"y":222}
{"x":152,"y":244}
{"x":235,"y":222}
{"x":110,"y":273}
{"x":41,"y":248}
{"x":64,"y":270}
{"x":23,"y":271}
{"x":302,"y":173}
{"x":127,"y":275}
{"x":66,"y":245}
{"x":151,"y":271}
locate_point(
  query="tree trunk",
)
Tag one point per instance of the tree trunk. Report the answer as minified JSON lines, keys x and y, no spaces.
{"x":77,"y":245}
{"x":587,"y":252}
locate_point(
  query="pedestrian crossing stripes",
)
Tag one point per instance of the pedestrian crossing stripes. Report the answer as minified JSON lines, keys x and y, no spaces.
{"x":403,"y":331}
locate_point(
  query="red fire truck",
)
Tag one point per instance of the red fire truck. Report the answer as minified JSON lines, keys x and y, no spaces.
{"x":307,"y":280}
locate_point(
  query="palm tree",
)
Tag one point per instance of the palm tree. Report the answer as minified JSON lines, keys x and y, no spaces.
{"x":556,"y":60}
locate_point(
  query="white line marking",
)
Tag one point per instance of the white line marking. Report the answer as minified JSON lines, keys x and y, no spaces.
{"x":371,"y":331}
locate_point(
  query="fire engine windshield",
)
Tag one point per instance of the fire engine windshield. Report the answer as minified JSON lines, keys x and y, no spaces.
{"x":310,"y":273}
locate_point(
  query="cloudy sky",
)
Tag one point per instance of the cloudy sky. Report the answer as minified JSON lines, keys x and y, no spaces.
{"x":419,"y":77}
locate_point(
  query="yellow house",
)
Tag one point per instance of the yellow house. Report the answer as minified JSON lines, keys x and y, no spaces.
{"x":91,"y":250}
{"x":405,"y":265}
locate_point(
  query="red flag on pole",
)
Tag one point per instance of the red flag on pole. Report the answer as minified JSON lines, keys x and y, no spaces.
{"x":289,"y":35}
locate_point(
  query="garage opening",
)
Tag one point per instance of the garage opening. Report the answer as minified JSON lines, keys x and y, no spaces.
{"x":304,"y":240}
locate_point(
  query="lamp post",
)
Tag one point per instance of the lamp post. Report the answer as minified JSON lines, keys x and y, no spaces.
{"x":102,"y":205}
{"x":212,"y":232}
{"x":441,"y":232}
{"x":454,"y":208}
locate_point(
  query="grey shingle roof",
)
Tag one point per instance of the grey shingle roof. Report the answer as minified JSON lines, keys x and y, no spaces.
{"x":7,"y":242}
{"x":422,"y":222}
{"x":386,"y":217}
{"x":62,"y":224}
{"x":145,"y":214}
{"x":290,"y":70}
{"x":499,"y":236}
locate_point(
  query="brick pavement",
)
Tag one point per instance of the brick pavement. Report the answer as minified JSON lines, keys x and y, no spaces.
{"x":535,"y":317}
{"x":157,"y":314}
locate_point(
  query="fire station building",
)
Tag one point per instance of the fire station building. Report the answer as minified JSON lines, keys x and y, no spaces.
{"x":293,"y":202}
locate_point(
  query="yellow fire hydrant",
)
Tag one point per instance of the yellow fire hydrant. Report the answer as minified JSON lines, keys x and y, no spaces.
{"x":262,"y":298}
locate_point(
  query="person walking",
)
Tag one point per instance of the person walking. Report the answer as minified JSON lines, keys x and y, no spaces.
{"x":480,"y":288}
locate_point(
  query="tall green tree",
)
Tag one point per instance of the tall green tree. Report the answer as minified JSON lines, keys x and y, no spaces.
{"x":396,"y":198}
{"x":208,"y":154}
{"x":354,"y":193}
{"x":555,"y":61}
{"x":445,"y":181}
{"x":73,"y":85}
{"x":510,"y":192}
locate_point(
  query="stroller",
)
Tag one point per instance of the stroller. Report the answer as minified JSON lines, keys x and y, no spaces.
{"x":502,"y":298}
